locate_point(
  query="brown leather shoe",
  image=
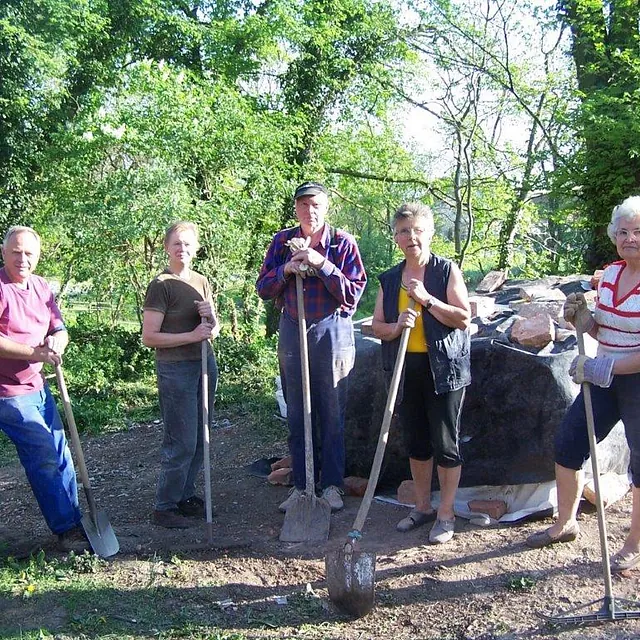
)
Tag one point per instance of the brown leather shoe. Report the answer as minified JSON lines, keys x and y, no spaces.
{"x":193,"y":507}
{"x":541,"y":539}
{"x":171,"y":519}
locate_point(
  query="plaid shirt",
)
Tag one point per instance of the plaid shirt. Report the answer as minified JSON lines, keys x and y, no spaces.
{"x":338,"y":286}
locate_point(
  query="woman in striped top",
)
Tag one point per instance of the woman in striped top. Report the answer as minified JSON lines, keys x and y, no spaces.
{"x":615,"y":376}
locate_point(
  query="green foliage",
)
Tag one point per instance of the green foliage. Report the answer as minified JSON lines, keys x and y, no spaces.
{"x":607,"y":165}
{"x":7,"y":451}
{"x":118,"y":351}
{"x":121,"y":117}
{"x":521,"y":583}
{"x":505,"y":94}
{"x":247,"y":370}
{"x":109,"y":375}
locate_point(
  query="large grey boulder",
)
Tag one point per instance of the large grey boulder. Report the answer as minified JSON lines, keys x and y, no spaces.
{"x":511,"y":409}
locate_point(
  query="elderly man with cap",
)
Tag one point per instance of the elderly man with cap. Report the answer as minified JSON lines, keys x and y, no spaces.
{"x":32,"y":333}
{"x":334,"y":278}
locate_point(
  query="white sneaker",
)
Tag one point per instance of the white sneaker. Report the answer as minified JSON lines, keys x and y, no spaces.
{"x":294,"y":494}
{"x":333,"y":495}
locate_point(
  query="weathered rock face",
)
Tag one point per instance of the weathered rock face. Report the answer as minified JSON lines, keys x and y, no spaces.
{"x":517,"y":397}
{"x":537,"y":331}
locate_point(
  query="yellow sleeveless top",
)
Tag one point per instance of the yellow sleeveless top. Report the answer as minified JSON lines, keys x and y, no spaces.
{"x":417,"y":339}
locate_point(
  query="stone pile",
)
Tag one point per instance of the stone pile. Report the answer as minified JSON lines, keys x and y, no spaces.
{"x":521,"y":349}
{"x":528,"y":313}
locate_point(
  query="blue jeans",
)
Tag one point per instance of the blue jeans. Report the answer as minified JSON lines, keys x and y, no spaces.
{"x":620,"y":401}
{"x":180,"y":394}
{"x":33,"y":424}
{"x":331,"y":358}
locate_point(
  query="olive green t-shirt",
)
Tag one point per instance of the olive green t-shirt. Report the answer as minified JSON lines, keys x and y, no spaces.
{"x":174,"y":296}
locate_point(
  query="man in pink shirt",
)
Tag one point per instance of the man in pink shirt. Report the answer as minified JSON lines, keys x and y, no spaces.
{"x":32,"y":333}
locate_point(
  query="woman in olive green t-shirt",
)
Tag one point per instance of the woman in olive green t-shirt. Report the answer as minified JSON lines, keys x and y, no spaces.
{"x":178,"y":317}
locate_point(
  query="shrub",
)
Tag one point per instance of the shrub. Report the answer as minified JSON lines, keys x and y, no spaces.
{"x":109,"y":374}
{"x":247,"y":369}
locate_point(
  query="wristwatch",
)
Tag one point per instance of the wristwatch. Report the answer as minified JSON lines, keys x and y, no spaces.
{"x":429,"y":303}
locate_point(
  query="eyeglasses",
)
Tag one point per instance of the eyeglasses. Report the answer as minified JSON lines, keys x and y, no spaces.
{"x":623,"y":234}
{"x":407,"y":233}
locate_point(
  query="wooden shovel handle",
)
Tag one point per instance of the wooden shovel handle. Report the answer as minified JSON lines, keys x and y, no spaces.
{"x":384,"y":429}
{"x":75,"y":439}
{"x":306,"y":389}
{"x":205,"y":434}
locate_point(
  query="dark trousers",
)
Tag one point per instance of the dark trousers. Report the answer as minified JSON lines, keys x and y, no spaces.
{"x":431,"y":422}
{"x":621,"y":401}
{"x":331,"y":359}
{"x":180,"y":394}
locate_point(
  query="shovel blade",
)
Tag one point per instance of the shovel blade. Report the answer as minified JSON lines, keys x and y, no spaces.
{"x":306,"y":520}
{"x":351,"y":580}
{"x":100,"y":533}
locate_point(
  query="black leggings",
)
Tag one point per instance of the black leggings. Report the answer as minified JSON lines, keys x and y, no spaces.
{"x":430,"y":421}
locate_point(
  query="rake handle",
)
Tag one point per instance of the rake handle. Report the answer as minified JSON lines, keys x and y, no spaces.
{"x":77,"y":446}
{"x":602,"y":525}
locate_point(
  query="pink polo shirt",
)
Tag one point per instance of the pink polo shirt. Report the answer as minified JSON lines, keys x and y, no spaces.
{"x":27,"y":316}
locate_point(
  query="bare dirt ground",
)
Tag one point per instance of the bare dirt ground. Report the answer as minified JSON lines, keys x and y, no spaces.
{"x":485,"y":584}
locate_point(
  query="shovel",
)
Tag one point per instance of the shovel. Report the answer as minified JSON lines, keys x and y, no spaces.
{"x":350,"y":572}
{"x":205,"y":440}
{"x":611,"y":608}
{"x":96,"y":525}
{"x":308,"y":518}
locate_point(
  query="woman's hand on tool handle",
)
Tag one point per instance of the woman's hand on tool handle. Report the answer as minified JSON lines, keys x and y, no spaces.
{"x":205,"y":331}
{"x":407,"y":319}
{"x":417,"y":291}
{"x":209,"y":329}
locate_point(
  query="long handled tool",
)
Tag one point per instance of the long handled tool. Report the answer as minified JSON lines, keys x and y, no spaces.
{"x":205,"y":440}
{"x":611,"y":608}
{"x":308,"y":518}
{"x":96,"y":525}
{"x":350,"y":572}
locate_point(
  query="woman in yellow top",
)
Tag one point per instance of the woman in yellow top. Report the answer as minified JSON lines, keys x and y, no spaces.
{"x":437,"y":366}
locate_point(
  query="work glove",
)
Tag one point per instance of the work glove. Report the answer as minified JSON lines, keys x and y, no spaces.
{"x":577,"y":313}
{"x":299,"y":244}
{"x":598,"y":371}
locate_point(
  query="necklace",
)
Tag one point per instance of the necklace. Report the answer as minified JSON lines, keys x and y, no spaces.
{"x":406,"y":278}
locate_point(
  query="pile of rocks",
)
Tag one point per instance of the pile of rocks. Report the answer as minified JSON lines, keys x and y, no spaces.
{"x":521,"y":349}
{"x":527,"y":313}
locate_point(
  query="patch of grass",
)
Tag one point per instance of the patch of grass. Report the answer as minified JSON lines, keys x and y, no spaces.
{"x":40,"y":634}
{"x":194,"y":633}
{"x":27,"y":578}
{"x":521,"y":583}
{"x":8,"y":453}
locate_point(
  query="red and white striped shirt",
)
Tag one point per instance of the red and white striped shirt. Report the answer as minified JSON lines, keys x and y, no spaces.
{"x":618,"y":317}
